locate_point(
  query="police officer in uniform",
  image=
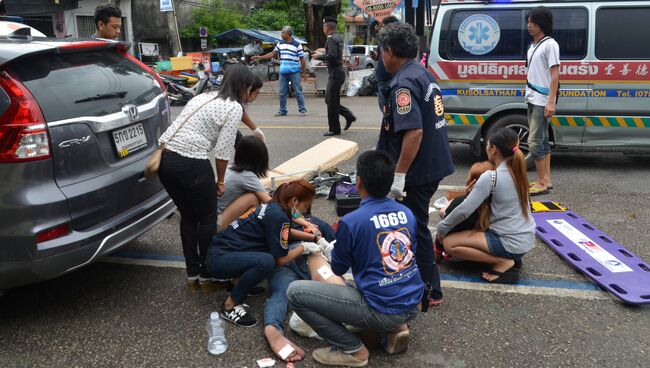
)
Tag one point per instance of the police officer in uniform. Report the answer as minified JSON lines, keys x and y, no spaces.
{"x":333,"y":56}
{"x":414,"y":134}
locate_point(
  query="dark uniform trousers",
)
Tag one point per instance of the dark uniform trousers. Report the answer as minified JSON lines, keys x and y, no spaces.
{"x":417,"y":200}
{"x":333,"y":100}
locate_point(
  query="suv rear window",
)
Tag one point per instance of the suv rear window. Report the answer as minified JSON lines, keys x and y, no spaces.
{"x":94,"y":83}
{"x":570,"y":31}
{"x":358,"y":50}
{"x":622,"y":33}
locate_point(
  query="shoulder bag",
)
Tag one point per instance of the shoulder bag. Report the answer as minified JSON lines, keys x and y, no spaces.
{"x":153,"y":164}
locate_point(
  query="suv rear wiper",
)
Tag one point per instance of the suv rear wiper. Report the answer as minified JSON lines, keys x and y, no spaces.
{"x":106,"y":96}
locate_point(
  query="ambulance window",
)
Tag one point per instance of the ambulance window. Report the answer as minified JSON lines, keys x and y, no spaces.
{"x":570,"y":31}
{"x":622,"y":33}
{"x":486,"y":34}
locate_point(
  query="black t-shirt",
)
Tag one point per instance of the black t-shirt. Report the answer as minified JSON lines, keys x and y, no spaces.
{"x":264,"y":230}
{"x":415,"y":102}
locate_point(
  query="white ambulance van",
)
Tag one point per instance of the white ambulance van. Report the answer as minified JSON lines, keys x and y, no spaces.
{"x":478,"y":52}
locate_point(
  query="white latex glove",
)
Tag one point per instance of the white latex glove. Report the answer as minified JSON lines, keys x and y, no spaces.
{"x":259,"y":134}
{"x":397,"y":190}
{"x":310,"y":248}
{"x":323,"y":244}
{"x":327,"y":252}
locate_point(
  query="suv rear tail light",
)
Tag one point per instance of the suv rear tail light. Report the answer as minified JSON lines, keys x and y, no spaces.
{"x":53,"y":233}
{"x":23,"y":133}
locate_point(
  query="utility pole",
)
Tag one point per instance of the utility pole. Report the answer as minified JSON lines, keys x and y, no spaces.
{"x":174,"y":36}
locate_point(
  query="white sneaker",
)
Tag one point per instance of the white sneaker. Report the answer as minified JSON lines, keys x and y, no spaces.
{"x":301,"y":328}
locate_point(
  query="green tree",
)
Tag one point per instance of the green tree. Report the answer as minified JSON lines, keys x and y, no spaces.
{"x":213,"y":15}
{"x":273,"y":15}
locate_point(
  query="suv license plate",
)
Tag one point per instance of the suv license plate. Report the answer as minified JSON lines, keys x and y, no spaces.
{"x":129,"y":139}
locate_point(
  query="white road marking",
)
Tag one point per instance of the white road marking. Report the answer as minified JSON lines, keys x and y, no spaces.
{"x":452,"y":284}
{"x":527,"y":290}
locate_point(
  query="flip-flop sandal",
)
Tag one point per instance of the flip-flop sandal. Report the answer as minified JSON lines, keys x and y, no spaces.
{"x":536,"y":192}
{"x":518,"y":264}
{"x":509,"y":277}
{"x":532,"y":184}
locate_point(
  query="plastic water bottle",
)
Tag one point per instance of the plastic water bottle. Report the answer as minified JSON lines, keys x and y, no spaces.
{"x":217,"y":343}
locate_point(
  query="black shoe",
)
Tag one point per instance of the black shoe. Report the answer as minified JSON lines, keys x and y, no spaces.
{"x":255,"y":291}
{"x":238,"y":315}
{"x":330,"y":133}
{"x":349,"y":122}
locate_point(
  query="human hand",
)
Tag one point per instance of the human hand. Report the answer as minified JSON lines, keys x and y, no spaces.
{"x":397,"y":189}
{"x":323,"y":243}
{"x":259,"y":134}
{"x":309,"y":248}
{"x":255,"y":57}
{"x":549,"y":110}
{"x":221,"y":189}
{"x":314,"y":229}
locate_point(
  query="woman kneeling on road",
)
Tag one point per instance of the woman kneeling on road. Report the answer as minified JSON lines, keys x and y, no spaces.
{"x":252,"y":246}
{"x":512,"y":228}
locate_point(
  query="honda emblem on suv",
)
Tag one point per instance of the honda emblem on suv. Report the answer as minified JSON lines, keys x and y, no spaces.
{"x":131,"y":111}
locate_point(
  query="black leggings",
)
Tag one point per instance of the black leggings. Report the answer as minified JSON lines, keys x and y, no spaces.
{"x":190,"y":183}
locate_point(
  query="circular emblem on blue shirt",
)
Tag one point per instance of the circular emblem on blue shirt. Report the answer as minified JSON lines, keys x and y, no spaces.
{"x":479,"y":34}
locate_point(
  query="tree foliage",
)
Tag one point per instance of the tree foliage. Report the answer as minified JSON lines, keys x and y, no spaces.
{"x":215,"y":16}
{"x":273,"y":15}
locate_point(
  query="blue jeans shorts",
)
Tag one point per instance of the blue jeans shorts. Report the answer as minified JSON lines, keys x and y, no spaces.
{"x":496,"y":247}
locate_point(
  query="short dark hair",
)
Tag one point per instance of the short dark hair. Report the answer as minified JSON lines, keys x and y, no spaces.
{"x":252,"y":155}
{"x":257,"y":83}
{"x":543,"y":17}
{"x":376,"y":170}
{"x":106,"y":11}
{"x":389,"y":19}
{"x":400,"y":38}
{"x":237,"y":80}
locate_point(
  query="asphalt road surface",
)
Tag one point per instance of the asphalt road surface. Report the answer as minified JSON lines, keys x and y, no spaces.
{"x":134,"y":309}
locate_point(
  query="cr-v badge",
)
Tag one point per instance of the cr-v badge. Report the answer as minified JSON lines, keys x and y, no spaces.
{"x":71,"y":142}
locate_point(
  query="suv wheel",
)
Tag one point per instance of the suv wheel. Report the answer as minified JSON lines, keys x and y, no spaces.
{"x":518,"y":123}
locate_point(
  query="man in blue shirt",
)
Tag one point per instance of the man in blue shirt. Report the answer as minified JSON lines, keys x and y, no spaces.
{"x":377,"y":242}
{"x":414,"y":134}
{"x":381,"y":75}
{"x":292,"y":63}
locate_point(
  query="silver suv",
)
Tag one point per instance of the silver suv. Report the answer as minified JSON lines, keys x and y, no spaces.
{"x":78,"y":120}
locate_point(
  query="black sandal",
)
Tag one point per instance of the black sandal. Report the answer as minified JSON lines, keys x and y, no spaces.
{"x":509,"y":277}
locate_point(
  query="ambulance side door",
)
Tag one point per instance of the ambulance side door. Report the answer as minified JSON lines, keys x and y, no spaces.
{"x":619,"y":108}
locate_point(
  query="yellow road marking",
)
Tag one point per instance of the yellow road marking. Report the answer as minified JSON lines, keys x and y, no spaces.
{"x":309,"y":127}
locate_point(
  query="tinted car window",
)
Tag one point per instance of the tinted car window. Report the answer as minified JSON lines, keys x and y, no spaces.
{"x":570,"y":31}
{"x":358,"y":50}
{"x":622,"y":33}
{"x":85,"y":84}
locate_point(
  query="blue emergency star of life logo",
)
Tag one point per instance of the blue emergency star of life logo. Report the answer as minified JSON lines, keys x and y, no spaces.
{"x":479,"y":34}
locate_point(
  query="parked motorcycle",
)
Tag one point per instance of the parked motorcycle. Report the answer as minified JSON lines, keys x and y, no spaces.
{"x":180,"y":94}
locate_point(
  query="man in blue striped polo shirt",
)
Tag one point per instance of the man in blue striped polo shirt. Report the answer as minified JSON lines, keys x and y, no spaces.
{"x":292,"y":63}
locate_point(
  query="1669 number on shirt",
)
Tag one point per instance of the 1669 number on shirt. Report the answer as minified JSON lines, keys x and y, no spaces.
{"x":389,"y":219}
